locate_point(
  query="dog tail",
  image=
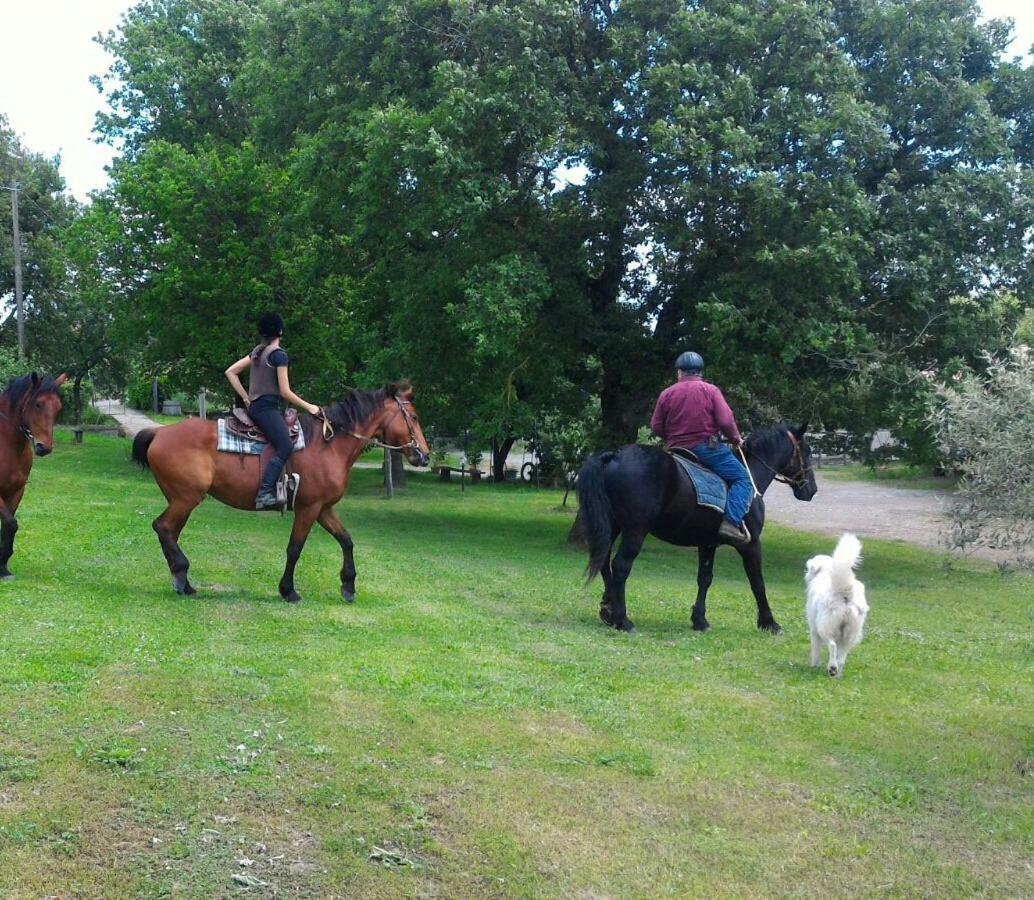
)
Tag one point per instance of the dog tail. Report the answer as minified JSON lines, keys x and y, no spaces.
{"x":845,"y":559}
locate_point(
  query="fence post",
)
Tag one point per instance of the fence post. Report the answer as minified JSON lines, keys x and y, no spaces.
{"x":202,"y":403}
{"x":388,"y":482}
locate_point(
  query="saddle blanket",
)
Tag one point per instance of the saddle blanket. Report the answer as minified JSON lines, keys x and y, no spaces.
{"x":228,"y":442}
{"x":710,"y":489}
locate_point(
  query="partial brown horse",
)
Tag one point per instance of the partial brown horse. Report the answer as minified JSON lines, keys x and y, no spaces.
{"x":187,"y":466}
{"x":28,"y":407}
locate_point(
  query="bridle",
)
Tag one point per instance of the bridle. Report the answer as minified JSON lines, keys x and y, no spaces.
{"x":803,"y":470}
{"x":372,"y":440}
{"x":23,"y":427}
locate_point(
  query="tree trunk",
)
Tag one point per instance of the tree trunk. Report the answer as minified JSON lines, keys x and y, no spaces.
{"x":398,"y":469}
{"x":499,"y":453}
{"x":576,"y":536}
{"x":77,"y":399}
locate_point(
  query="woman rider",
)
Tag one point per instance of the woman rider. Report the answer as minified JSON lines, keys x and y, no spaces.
{"x":267,"y":385}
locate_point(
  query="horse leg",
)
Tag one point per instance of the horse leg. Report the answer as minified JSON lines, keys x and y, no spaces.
{"x":328,"y":518}
{"x":303,"y":521}
{"x":621,"y":566}
{"x":607,"y":574}
{"x":705,"y":575}
{"x":751,"y":555}
{"x":8,"y":529}
{"x":168,"y":526}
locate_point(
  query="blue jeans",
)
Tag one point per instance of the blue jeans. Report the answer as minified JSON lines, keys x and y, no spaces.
{"x":724,"y":464}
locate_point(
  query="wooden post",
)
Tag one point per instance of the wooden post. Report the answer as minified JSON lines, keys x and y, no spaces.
{"x":154,"y":394}
{"x":388,"y":481}
{"x":202,"y":404}
{"x":19,"y":301}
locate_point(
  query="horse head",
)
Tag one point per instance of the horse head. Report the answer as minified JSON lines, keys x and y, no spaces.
{"x":798,"y":471}
{"x":38,"y":409}
{"x":402,"y":424}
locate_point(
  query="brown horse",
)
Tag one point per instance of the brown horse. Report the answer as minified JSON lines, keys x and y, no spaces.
{"x":186,"y":465}
{"x":28,"y":407}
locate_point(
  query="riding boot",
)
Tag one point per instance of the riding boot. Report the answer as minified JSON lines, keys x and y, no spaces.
{"x":738,"y":536}
{"x":266,"y":497}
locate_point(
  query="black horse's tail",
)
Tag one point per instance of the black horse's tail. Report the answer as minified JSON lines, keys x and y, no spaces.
{"x":594,"y":507}
{"x":141,"y":444}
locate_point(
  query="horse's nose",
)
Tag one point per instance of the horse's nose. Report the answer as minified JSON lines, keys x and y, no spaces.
{"x":42,"y":449}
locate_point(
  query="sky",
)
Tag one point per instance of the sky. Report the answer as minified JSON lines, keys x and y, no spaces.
{"x":49,"y":56}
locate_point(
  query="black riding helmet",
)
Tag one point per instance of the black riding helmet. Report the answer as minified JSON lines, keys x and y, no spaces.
{"x":270,"y":326}
{"x":689,"y":361}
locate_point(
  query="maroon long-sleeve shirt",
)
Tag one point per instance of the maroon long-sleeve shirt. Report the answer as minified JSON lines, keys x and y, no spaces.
{"x":690,"y":411}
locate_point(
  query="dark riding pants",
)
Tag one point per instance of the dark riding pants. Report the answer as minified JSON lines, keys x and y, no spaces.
{"x":265,"y":412}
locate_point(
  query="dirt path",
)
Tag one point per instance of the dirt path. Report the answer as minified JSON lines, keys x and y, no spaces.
{"x":131,"y":420}
{"x":866,"y":508}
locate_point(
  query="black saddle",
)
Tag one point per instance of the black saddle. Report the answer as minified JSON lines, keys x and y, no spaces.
{"x":686,"y":454}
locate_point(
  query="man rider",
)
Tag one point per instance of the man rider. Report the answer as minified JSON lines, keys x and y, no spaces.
{"x":693,"y":413}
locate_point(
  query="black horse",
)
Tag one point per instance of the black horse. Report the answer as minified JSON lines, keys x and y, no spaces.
{"x":639,"y":490}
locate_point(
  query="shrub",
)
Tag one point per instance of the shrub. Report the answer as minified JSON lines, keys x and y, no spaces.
{"x":138,"y":392}
{"x":985,"y":423}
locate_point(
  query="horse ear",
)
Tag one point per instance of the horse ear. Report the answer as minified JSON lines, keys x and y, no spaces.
{"x":391,"y":389}
{"x":61,"y":379}
{"x":800,"y":432}
{"x":35,"y":379}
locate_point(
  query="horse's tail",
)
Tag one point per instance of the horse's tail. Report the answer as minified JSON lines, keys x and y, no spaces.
{"x":141,"y":444}
{"x":594,"y":508}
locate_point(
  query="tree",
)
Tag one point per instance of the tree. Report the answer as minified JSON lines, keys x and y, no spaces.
{"x":74,"y":327}
{"x":985,"y":426}
{"x":523,"y":205}
{"x":43,"y":210}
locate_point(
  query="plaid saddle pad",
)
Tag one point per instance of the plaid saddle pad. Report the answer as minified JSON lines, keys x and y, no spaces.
{"x":228,"y":442}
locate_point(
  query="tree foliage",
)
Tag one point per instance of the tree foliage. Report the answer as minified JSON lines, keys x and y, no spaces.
{"x":529,"y":204}
{"x":985,"y":424}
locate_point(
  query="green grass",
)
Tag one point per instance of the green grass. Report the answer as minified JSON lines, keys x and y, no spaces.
{"x":471,"y":718}
{"x":891,"y":474}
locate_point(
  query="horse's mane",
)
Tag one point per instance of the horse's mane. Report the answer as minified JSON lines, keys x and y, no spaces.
{"x":348,"y":412}
{"x":765,"y":443}
{"x":21,"y":387}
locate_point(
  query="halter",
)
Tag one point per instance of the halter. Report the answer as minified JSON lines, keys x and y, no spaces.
{"x":372,"y":440}
{"x":23,"y":428}
{"x":803,"y":471}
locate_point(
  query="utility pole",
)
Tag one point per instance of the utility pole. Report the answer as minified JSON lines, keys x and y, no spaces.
{"x":18,"y":300}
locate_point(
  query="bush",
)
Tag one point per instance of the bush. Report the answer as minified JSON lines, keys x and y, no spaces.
{"x":138,"y":392}
{"x":985,"y":424}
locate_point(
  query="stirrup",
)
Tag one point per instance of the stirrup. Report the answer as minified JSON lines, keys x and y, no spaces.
{"x":287,"y":490}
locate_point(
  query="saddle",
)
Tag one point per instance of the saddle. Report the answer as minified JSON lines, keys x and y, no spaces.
{"x":237,"y":433}
{"x":241,"y":425}
{"x":710,"y":489}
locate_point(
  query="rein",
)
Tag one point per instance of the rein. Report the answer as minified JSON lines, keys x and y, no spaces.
{"x":803,"y":470}
{"x":371,"y":439}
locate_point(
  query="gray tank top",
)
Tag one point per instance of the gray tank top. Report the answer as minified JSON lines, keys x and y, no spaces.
{"x":262,"y":380}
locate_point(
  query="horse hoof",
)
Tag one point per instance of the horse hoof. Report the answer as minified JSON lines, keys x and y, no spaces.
{"x":347,"y":595}
{"x":772,"y":628}
{"x":606,"y":614}
{"x":6,"y":576}
{"x":181,"y":586}
{"x":628,"y":626}
{"x":702,"y":626}
{"x":292,"y":596}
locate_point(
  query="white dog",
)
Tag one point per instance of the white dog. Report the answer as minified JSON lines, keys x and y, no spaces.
{"x":836,"y":607}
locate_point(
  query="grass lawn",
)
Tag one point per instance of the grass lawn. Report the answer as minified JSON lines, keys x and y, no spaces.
{"x":469,"y":723}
